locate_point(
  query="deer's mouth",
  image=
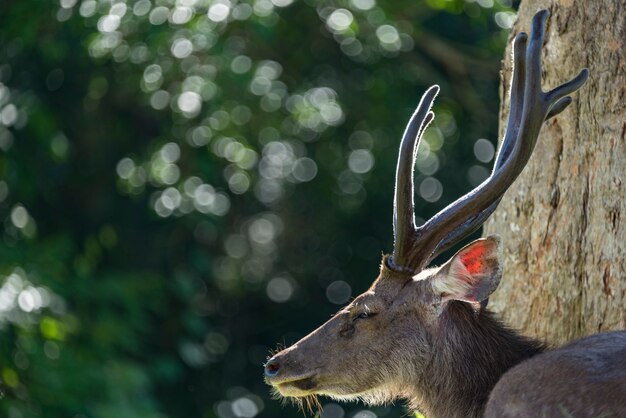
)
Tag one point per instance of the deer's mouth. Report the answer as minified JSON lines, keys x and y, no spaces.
{"x":295,"y":386}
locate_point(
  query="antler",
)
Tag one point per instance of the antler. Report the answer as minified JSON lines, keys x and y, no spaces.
{"x":403,"y":211}
{"x":415,"y":247}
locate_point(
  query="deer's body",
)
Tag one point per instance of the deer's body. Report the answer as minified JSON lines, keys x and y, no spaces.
{"x":420,"y":334}
{"x":585,"y":378}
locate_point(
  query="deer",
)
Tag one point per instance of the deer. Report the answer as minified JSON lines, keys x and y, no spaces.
{"x":424,"y":335}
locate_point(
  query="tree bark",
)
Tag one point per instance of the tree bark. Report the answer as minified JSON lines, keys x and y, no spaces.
{"x":564,"y":239}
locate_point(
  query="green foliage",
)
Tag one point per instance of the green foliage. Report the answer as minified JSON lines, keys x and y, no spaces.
{"x":185,"y":183}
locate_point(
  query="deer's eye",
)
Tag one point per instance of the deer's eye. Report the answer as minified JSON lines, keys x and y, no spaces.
{"x":364,"y":315}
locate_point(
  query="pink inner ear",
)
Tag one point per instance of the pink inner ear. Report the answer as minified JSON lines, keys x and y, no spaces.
{"x":472,"y":274}
{"x":473,"y":257}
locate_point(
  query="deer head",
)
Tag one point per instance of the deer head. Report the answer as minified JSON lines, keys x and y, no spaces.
{"x":393,"y":340}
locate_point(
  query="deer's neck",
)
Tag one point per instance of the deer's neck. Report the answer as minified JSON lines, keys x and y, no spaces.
{"x":473,"y":351}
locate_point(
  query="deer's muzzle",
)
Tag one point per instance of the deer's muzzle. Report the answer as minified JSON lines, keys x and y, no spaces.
{"x":285,"y":375}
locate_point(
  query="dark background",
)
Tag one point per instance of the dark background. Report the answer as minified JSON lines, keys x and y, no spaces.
{"x":185,"y":184}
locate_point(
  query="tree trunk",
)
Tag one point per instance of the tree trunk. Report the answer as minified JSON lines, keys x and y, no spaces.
{"x":564,"y":239}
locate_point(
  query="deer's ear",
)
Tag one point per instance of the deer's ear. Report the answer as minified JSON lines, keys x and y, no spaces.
{"x":472,"y":274}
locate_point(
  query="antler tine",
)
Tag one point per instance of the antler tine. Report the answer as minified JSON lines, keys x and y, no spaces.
{"x":518,"y":84}
{"x":530,"y":106}
{"x":558,"y":97}
{"x":559,"y":107}
{"x":403,"y":210}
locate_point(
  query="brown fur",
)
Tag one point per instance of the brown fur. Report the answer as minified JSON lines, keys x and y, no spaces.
{"x":586,"y":378}
{"x":444,"y":357}
{"x":472,"y":351}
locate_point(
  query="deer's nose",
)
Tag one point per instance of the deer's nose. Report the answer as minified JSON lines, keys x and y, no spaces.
{"x":272,"y":367}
